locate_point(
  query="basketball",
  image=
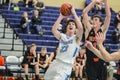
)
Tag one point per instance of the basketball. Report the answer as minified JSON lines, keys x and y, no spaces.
{"x":65,"y":9}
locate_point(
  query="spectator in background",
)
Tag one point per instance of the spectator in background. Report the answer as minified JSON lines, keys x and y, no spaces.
{"x":117,"y":20}
{"x":36,"y":23}
{"x":5,"y":1}
{"x":80,"y":62}
{"x":116,"y":34}
{"x":43,"y":59}
{"x":29,"y":3}
{"x":53,"y":55}
{"x":30,"y":61}
{"x":25,"y":23}
{"x":2,"y":61}
{"x":14,"y":3}
{"x":118,"y":71}
{"x":39,"y":6}
{"x":110,"y":69}
{"x":98,"y":8}
{"x":102,"y":7}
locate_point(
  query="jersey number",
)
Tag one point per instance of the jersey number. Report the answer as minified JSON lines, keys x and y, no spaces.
{"x":64,"y":48}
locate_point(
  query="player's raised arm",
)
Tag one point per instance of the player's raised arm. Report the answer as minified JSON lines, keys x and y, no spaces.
{"x":79,"y":30}
{"x":89,"y":45}
{"x":106,"y":55}
{"x":86,"y":18}
{"x":107,"y":18}
{"x":56,"y":25}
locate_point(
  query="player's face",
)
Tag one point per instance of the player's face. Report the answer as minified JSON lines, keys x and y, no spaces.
{"x":43,"y":52}
{"x":32,"y":49}
{"x":96,"y":22}
{"x":71,"y":27}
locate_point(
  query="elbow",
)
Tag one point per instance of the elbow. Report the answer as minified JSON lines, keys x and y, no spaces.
{"x":52,"y":30}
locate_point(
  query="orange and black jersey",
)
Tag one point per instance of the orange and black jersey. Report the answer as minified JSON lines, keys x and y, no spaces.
{"x":42,"y":59}
{"x":29,"y":58}
{"x":91,"y":57}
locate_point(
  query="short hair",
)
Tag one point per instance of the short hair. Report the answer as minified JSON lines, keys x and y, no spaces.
{"x":35,"y":10}
{"x":43,"y":48}
{"x":65,"y":27}
{"x":97,"y":16}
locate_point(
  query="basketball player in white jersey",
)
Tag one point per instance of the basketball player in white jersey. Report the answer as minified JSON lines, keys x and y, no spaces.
{"x":69,"y":44}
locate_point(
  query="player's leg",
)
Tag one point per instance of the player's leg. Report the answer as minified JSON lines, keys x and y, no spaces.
{"x":51,"y":71}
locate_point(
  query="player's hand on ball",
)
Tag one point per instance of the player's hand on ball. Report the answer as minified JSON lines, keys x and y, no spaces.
{"x":62,"y":16}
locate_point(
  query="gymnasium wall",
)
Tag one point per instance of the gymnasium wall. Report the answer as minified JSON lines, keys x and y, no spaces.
{"x":76,"y":3}
{"x":115,"y":4}
{"x":80,"y":3}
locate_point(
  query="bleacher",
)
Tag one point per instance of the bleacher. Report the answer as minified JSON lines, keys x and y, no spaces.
{"x":48,"y":18}
{"x":48,"y":40}
{"x":12,"y":18}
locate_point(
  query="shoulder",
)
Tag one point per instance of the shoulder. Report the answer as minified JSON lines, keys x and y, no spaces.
{"x":62,"y":35}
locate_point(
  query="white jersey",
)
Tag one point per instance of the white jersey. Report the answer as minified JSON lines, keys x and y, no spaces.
{"x":68,"y":48}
